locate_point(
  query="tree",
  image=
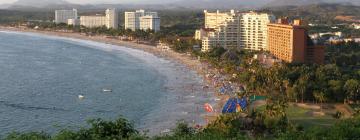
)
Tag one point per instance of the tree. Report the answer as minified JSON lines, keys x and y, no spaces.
{"x":319,"y":97}
{"x":352,"y":87}
{"x":302,"y":86}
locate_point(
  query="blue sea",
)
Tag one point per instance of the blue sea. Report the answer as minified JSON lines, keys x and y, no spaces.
{"x":41,"y":78}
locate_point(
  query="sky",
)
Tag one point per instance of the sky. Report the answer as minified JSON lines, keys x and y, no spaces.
{"x":96,"y":1}
{"x":130,"y":1}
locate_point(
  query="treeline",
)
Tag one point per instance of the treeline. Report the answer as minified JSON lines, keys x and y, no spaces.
{"x":337,"y":81}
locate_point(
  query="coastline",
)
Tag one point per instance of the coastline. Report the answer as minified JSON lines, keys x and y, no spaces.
{"x":190,"y":63}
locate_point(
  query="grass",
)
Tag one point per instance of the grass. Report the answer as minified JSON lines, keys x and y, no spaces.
{"x":301,"y":117}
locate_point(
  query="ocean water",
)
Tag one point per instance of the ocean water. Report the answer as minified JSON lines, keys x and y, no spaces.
{"x":41,"y":78}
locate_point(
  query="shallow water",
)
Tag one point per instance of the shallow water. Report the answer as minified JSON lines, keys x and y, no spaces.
{"x":41,"y":78}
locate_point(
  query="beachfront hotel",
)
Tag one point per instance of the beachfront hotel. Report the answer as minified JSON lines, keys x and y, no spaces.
{"x":142,"y":20}
{"x":221,"y":29}
{"x":62,"y":16}
{"x":110,"y":20}
{"x":253,"y":30}
{"x":234,"y":30}
{"x":290,"y":43}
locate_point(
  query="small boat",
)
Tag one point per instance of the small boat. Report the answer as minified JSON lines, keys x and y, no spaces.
{"x":81,"y":97}
{"x":107,"y":90}
{"x":166,"y":131}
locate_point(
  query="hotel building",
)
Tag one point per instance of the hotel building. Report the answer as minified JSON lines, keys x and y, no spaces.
{"x":253,"y":30}
{"x":222,"y":30}
{"x":62,"y":16}
{"x":235,"y":30}
{"x":142,"y":20}
{"x":290,"y":43}
{"x":110,"y":20}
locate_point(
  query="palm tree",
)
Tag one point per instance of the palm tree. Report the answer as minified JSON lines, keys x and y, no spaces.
{"x":319,"y":96}
{"x":352,"y":87}
{"x":302,"y":85}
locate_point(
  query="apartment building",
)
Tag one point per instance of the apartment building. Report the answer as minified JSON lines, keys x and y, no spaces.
{"x":235,"y":30}
{"x":150,"y":23}
{"x":110,"y":20}
{"x":142,"y":20}
{"x":253,"y":30}
{"x":62,"y":16}
{"x":290,"y":43}
{"x":222,"y":30}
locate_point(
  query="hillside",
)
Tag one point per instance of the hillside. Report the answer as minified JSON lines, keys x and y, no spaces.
{"x":321,"y":13}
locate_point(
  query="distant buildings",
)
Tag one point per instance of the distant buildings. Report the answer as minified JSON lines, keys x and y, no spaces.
{"x":290,"y":43}
{"x":142,"y":20}
{"x":110,"y":20}
{"x":236,"y":30}
{"x":62,"y":16}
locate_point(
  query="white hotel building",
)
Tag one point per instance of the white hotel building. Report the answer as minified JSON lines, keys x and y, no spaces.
{"x":110,"y":20}
{"x":234,"y":30}
{"x":62,"y":16}
{"x":142,"y":20}
{"x":253,"y":30}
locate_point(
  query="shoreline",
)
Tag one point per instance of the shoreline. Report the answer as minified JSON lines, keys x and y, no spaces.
{"x":190,"y":63}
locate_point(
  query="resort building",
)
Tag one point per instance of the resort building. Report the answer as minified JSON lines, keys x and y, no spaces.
{"x":235,"y":30}
{"x":253,"y":30}
{"x":73,"y":22}
{"x":150,"y":23}
{"x":62,"y":16}
{"x":142,"y":20}
{"x":221,"y":30}
{"x":290,"y":43}
{"x":110,"y":20}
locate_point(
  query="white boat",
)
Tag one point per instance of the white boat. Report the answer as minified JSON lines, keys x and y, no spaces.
{"x":81,"y":97}
{"x":107,"y":90}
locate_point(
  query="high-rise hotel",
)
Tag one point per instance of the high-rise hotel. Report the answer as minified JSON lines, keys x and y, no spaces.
{"x":142,"y":20}
{"x":253,"y":30}
{"x":234,"y":30}
{"x":221,"y":29}
{"x":290,"y":43}
{"x":110,"y":20}
{"x":62,"y":16}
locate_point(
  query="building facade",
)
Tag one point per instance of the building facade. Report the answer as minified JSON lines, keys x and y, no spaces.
{"x":290,"y":43}
{"x":142,"y":20}
{"x":74,"y":22}
{"x":62,"y":16}
{"x":110,"y":20}
{"x":150,"y":23}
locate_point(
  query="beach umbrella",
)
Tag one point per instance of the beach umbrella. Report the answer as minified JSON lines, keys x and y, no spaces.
{"x":208,"y":108}
{"x":222,"y":90}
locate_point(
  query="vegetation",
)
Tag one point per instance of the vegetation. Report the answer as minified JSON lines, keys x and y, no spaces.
{"x":334,"y":82}
{"x":271,"y":123}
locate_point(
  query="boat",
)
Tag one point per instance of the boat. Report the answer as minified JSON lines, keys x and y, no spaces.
{"x":81,"y":97}
{"x":107,"y":90}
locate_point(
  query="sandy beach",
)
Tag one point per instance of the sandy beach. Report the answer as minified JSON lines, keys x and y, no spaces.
{"x":209,"y":85}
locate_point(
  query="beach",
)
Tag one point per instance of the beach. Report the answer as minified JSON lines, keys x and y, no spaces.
{"x":207,"y":90}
